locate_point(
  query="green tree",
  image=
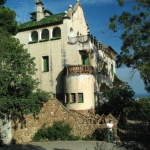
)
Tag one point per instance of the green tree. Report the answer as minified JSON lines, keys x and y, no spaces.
{"x":7,"y":19}
{"x":119,"y":99}
{"x":140,"y":109}
{"x":134,"y":27}
{"x":2,"y":2}
{"x":19,"y":94}
{"x":16,"y":83}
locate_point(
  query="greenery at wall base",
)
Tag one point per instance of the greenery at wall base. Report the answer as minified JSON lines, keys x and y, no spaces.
{"x":59,"y":131}
{"x":62,"y":131}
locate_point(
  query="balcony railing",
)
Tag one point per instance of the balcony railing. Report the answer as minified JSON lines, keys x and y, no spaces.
{"x":80,"y":39}
{"x":79,"y":69}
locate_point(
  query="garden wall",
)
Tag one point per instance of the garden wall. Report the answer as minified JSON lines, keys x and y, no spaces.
{"x":82,"y":124}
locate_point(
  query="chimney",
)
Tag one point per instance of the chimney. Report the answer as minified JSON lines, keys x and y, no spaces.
{"x":39,"y":10}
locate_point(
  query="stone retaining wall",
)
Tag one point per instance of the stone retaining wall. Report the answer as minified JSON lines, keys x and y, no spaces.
{"x":51,"y":112}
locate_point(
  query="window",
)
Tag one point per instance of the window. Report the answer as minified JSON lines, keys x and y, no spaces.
{"x":67,"y":98}
{"x":45,"y":34}
{"x":112,"y":69}
{"x":73,"y":97}
{"x":56,"y":34}
{"x":71,"y":32}
{"x":34,"y":36}
{"x":85,"y":60}
{"x":80,"y":98}
{"x":45,"y":64}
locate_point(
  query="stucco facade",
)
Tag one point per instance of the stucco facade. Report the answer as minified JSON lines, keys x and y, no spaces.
{"x":71,"y":63}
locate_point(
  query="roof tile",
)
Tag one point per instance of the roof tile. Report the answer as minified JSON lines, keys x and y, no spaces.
{"x":45,"y":21}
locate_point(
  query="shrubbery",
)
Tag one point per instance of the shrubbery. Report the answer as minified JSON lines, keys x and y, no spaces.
{"x":59,"y":131}
{"x":100,"y":134}
{"x":140,"y":110}
{"x":118,"y":99}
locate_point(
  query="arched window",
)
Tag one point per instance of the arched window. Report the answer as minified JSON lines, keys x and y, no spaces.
{"x":72,"y":39}
{"x":45,"y":34}
{"x":34,"y":36}
{"x":71,"y":32}
{"x":56,"y":34}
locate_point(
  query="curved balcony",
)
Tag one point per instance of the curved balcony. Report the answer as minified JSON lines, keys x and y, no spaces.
{"x":79,"y":69}
{"x":80,"y":39}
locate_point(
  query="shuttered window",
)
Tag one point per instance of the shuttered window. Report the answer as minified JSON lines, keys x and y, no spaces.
{"x":85,"y":60}
{"x":45,"y":64}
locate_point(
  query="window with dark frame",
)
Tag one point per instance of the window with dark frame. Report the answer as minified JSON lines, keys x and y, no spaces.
{"x":85,"y":59}
{"x":56,"y":34}
{"x":45,"y":64}
{"x":67,"y":98}
{"x":45,"y":34}
{"x":73,"y":97}
{"x":80,"y":98}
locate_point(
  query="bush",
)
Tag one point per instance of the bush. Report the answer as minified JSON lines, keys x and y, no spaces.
{"x":140,"y":110}
{"x":89,"y":138}
{"x":100,"y":134}
{"x":59,"y":131}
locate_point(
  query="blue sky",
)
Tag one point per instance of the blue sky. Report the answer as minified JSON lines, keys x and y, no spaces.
{"x":97,"y":14}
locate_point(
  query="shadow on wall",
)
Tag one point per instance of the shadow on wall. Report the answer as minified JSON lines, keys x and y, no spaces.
{"x":22,"y":147}
{"x":60,"y":86}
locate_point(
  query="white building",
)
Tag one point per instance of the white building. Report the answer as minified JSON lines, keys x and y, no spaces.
{"x":71,"y":63}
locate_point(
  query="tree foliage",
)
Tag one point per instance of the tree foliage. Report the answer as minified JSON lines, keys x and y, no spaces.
{"x":16,"y":83}
{"x":140,"y":110}
{"x":59,"y":131}
{"x":7,"y":19}
{"x":19,"y":94}
{"x":134,"y":27}
{"x":119,"y":99}
{"x":2,"y":2}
